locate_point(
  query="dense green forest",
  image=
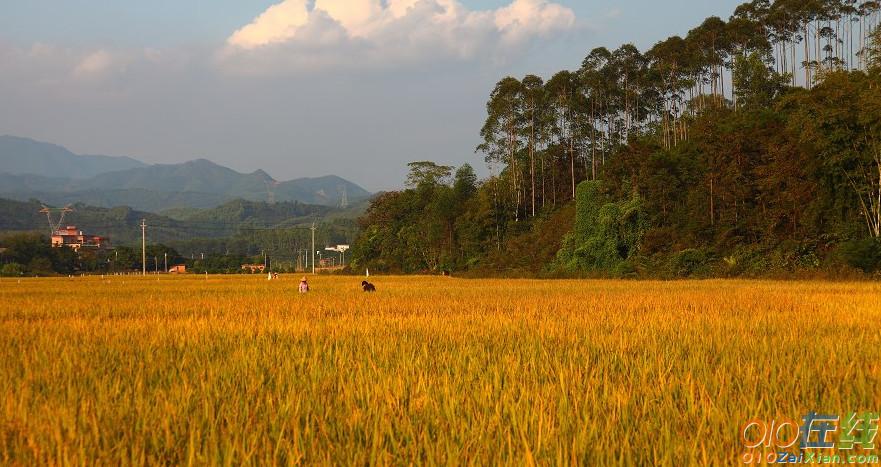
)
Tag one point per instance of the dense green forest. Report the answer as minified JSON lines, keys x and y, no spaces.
{"x":748,"y":147}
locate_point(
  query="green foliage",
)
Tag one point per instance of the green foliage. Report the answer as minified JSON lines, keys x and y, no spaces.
{"x":427,"y":174}
{"x":11,"y":270}
{"x":416,"y":229}
{"x":873,"y":51}
{"x":456,"y":226}
{"x":465,"y":182}
{"x":220,"y":264}
{"x":679,"y":170}
{"x":40,"y":266}
{"x":606,"y":234}
{"x":242,"y":213}
{"x":755,"y":82}
{"x":862,"y":254}
{"x":35,"y":252}
{"x":626,"y":270}
{"x":772,"y":185}
{"x":688,"y":263}
{"x":236,"y":228}
{"x":838,"y":124}
{"x":589,"y":202}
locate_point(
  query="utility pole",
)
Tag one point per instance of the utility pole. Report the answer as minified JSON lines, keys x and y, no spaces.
{"x":144,"y":246}
{"x":313,"y":247}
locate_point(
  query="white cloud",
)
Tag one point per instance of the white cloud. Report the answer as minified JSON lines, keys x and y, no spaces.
{"x":373,"y":33}
{"x":524,"y":18}
{"x":399,"y":8}
{"x":277,"y":24}
{"x":74,"y":72}
{"x":358,"y":17}
{"x":95,"y":64}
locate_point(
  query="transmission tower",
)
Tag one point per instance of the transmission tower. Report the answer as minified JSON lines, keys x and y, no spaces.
{"x":53,"y":225}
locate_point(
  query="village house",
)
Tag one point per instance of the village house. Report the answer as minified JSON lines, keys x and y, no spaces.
{"x":76,"y":239}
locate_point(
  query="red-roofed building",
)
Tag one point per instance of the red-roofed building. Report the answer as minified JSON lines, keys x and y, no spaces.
{"x":72,"y":238}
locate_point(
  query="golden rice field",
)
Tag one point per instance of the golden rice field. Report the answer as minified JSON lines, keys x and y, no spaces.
{"x":240,"y":370}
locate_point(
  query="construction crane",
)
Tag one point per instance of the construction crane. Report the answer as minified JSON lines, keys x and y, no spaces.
{"x":54,"y":226}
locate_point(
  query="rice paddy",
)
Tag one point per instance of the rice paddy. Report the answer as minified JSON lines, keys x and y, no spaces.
{"x":240,"y":370}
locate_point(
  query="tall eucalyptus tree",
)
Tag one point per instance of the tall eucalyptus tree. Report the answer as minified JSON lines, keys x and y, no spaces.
{"x":501,"y":132}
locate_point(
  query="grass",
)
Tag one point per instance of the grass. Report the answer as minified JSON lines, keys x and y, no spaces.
{"x":231,"y":370}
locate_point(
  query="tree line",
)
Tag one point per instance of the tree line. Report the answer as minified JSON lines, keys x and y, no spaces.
{"x":27,"y":254}
{"x":749,"y":144}
{"x":549,"y":135}
{"x":285,"y":249}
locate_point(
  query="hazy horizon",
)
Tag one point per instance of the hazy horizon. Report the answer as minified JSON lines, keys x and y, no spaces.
{"x":297,"y":88}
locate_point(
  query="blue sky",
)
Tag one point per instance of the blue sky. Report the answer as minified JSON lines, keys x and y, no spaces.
{"x":328,"y":91}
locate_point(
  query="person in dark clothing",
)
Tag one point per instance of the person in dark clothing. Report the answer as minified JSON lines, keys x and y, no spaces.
{"x":368,"y":287}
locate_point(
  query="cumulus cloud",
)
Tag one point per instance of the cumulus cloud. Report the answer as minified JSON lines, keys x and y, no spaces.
{"x":277,"y":24}
{"x":376,"y":33}
{"x":526,"y":18}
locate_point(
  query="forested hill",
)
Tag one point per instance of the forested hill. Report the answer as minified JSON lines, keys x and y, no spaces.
{"x":217,"y":240}
{"x":121,"y":224}
{"x":750,"y":146}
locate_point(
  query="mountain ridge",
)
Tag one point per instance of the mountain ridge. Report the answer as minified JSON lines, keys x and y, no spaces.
{"x":48,"y":159}
{"x":198,"y":183}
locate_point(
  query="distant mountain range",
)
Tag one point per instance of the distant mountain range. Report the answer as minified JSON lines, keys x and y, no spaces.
{"x":34,"y":170}
{"x":20,"y":156}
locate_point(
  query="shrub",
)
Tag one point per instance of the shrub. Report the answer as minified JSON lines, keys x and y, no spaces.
{"x":605,"y":234}
{"x":40,"y":266}
{"x":862,"y":254}
{"x":11,"y":270}
{"x":626,"y":270}
{"x":690,"y":262}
